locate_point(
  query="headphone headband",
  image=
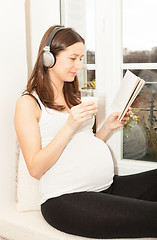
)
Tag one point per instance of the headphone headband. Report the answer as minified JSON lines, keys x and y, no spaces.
{"x":53,"y":34}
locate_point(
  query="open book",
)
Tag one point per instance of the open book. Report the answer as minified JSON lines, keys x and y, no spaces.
{"x":130,"y":87}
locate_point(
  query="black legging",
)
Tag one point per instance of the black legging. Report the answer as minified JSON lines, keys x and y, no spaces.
{"x":128,"y":209}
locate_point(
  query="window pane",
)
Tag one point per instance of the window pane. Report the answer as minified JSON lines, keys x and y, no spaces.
{"x":140,"y":134}
{"x":139,"y":34}
{"x":90,"y":57}
{"x":149,"y":75}
{"x":90,"y":31}
{"x":91,"y":78}
{"x":80,"y":15}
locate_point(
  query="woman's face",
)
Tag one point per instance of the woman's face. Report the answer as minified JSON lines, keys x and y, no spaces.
{"x":68,"y":62}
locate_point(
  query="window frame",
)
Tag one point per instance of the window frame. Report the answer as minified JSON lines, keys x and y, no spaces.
{"x":109,"y":29}
{"x":135,"y":66}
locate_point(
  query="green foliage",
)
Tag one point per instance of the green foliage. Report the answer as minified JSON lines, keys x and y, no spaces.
{"x":133,"y":118}
{"x":90,"y":85}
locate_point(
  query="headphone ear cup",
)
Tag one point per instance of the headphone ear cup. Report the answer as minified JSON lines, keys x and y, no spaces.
{"x":49,"y":59}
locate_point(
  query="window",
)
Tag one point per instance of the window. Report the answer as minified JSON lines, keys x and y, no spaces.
{"x":115,"y":26}
{"x":80,"y":15}
{"x":140,"y":56}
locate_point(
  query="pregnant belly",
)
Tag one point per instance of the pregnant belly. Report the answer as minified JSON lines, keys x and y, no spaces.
{"x":86,"y":162}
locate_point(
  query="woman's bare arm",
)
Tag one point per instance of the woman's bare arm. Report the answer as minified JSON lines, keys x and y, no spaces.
{"x":27,"y":116}
{"x":111,"y":124}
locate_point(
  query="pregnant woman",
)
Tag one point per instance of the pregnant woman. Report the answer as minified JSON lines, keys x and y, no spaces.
{"x":80,"y":193}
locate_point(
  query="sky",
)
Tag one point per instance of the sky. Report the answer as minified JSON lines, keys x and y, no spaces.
{"x":139,"y":24}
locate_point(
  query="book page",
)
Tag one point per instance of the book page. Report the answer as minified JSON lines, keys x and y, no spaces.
{"x":132,"y":98}
{"x":130,"y":87}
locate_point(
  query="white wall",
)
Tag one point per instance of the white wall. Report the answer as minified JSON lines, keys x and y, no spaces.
{"x":13,"y":75}
{"x":40,"y":15}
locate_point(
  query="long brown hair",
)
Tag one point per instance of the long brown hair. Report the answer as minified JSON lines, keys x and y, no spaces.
{"x":39,"y":80}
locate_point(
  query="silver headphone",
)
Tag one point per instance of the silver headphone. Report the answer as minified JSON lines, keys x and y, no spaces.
{"x":49,"y":58}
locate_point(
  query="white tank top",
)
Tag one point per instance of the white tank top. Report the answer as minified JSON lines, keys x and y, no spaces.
{"x":85,"y":165}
